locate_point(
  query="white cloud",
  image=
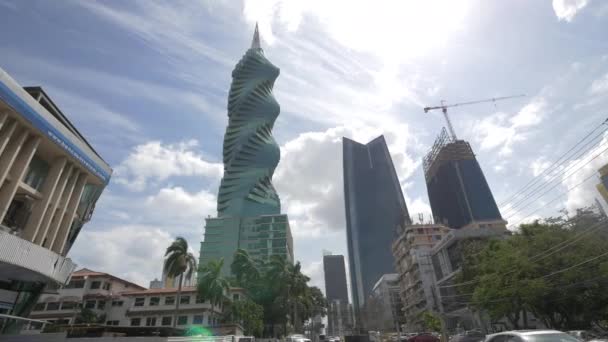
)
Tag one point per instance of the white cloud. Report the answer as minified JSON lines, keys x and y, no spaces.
{"x":309,"y":176}
{"x":499,"y":131}
{"x":177,"y":202}
{"x":585,"y":192}
{"x":92,"y":111}
{"x":599,"y":86}
{"x":567,"y":9}
{"x":539,"y":165}
{"x":314,"y":270}
{"x":132,"y":252}
{"x":372,"y":27}
{"x":154,"y":161}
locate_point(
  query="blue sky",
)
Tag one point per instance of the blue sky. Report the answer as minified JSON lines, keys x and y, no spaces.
{"x":147,"y":81}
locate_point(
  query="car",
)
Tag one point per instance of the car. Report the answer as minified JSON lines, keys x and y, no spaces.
{"x":469,"y":336}
{"x":297,"y":338}
{"x":531,"y":336}
{"x":586,"y":335}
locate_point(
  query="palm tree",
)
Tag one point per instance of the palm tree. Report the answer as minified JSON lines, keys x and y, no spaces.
{"x":178,"y":261}
{"x":245,"y":268}
{"x":212,"y":285}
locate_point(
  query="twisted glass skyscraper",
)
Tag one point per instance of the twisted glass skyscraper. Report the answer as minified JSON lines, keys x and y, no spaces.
{"x":249,"y":210}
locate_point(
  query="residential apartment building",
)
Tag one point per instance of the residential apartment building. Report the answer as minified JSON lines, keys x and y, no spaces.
{"x":446,"y":259}
{"x":412,"y":250}
{"x":122,"y":303}
{"x":50,"y":180}
{"x":383,"y":308}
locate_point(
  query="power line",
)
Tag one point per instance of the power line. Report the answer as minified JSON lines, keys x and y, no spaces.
{"x":538,"y":177}
{"x":554,"y":199}
{"x":555,"y":185}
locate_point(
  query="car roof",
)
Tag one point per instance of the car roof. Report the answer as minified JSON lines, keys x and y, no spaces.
{"x":526,"y":332}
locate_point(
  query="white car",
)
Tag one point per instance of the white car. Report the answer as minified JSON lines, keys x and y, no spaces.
{"x":531,"y":336}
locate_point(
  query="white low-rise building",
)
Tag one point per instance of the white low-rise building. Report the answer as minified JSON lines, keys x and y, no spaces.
{"x":117,"y":302}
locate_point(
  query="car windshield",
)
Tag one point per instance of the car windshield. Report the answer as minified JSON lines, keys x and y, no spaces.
{"x":551,"y":337}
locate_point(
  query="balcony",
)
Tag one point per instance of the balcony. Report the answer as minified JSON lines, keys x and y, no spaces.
{"x":26,"y":261}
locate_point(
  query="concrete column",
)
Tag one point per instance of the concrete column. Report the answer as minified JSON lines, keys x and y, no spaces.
{"x":54,"y":203}
{"x":6,"y":132}
{"x":68,"y":217}
{"x":18,"y":169}
{"x":7,"y":158}
{"x":63,"y":205}
{"x":50,"y":183}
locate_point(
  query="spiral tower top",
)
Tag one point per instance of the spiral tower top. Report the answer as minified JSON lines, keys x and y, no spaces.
{"x":250,"y":152}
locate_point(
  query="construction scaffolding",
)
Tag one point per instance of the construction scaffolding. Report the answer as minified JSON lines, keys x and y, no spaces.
{"x":445,"y":148}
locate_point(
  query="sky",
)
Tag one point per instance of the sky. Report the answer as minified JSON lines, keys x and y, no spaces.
{"x":147,"y":83}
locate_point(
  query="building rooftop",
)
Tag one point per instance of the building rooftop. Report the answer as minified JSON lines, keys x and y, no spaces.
{"x":85,"y":272}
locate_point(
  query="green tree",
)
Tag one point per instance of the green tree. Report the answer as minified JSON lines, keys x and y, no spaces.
{"x":88,"y":316}
{"x":179,"y":262}
{"x":551,"y":269}
{"x":430,"y":321}
{"x":244,"y":268}
{"x":212,"y":285}
{"x":249,"y":314}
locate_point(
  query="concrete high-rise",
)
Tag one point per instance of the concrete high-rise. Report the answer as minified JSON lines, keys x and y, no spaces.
{"x":249,"y":211}
{"x":374,"y":207}
{"x":339,"y":319}
{"x":458,"y":191}
{"x":50,"y":180}
{"x":335,"y":278}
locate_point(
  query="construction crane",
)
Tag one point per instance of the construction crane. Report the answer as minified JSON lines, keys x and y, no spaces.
{"x":444,"y":108}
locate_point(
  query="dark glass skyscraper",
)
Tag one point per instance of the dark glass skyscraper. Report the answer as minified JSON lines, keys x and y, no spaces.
{"x":458,"y":191}
{"x":374,"y":206}
{"x":335,"y":278}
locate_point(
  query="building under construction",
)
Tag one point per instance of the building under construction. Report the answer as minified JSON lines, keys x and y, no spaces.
{"x":458,"y":191}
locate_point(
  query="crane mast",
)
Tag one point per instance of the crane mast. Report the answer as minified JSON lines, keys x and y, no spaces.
{"x":444,"y":109}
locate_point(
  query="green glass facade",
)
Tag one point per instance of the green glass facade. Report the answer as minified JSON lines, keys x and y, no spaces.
{"x":249,"y":209}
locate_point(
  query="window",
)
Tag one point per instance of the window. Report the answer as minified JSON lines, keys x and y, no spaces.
{"x":39,"y":306}
{"x":182,"y":320}
{"x":107,"y":286}
{"x":95,"y":285}
{"x":117,"y":303}
{"x":235,"y":296}
{"x":135,"y":322}
{"x":154,"y":301}
{"x":437,"y":237}
{"x":52,"y":306}
{"x":184,"y":300}
{"x":150,"y":321}
{"x":89,"y":304}
{"x":101,"y":304}
{"x":199,"y":299}
{"x":112,"y":322}
{"x":36,"y":173}
{"x":166,"y":320}
{"x":198,"y":319}
{"x":139,"y":301}
{"x":75,"y":284}
{"x":68,"y":306}
{"x":170,"y":300}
